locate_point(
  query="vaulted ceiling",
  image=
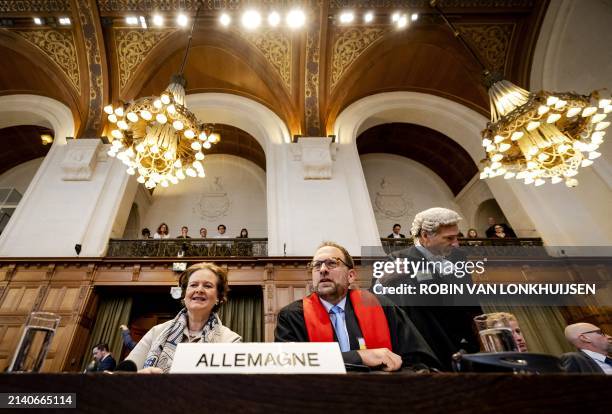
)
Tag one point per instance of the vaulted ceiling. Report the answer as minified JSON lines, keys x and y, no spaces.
{"x":306,"y":76}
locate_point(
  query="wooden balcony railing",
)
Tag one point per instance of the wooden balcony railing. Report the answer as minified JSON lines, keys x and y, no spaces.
{"x":506,"y":247}
{"x":187,"y":247}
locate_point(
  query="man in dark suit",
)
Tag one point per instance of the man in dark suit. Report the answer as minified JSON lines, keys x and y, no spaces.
{"x":369,"y":331}
{"x":594,"y":348}
{"x":104,"y":359}
{"x":447,"y":329}
{"x":396,"y":233}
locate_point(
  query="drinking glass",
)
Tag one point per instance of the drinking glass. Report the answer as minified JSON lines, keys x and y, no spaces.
{"x":495,"y":333}
{"x":34,"y":343}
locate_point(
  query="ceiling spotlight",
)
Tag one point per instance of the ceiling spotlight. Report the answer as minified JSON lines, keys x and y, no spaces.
{"x":181,"y":20}
{"x":347,"y":17}
{"x":143,"y":22}
{"x":251,"y":19}
{"x":368,"y":17}
{"x":38,"y":20}
{"x":225,"y":20}
{"x":64,"y":21}
{"x":414,"y":17}
{"x":158,"y":20}
{"x":131,"y":20}
{"x":274,"y":19}
{"x":402,"y":21}
{"x":395,"y":17}
{"x":296,"y":18}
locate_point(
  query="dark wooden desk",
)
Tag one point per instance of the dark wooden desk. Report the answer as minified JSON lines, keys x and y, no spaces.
{"x":324,"y":394}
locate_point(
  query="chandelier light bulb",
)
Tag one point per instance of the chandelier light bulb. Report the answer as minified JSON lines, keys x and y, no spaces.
{"x":402,"y":22}
{"x":131,"y":171}
{"x":560,"y":104}
{"x":140,"y":148}
{"x":539,"y":182}
{"x":108,"y":109}
{"x":509,"y":175}
{"x":132,"y":116}
{"x":602,"y":125}
{"x":189,"y":134}
{"x":112,"y":118}
{"x":161,"y":118}
{"x":214,"y":138}
{"x":504,"y":146}
{"x":207,"y":145}
{"x":180,"y":175}
{"x":586,"y":163}
{"x":190,"y":172}
{"x":141,"y":179}
{"x":119,"y":111}
{"x":199,"y":156}
{"x":532,"y":125}
{"x":594,"y":155}
{"x":173,"y":179}
{"x":146,"y":115}
{"x":552,"y":118}
{"x":571,"y":182}
{"x":597,"y":118}
{"x":168,"y":155}
{"x":274,"y":19}
{"x":116,"y":134}
{"x":196,"y":146}
{"x":164,"y":183}
{"x":552,"y":100}
{"x":556,"y":179}
{"x":486,"y":142}
{"x":154,"y":149}
{"x":543,"y":109}
{"x":178,"y":125}
{"x":171,"y":109}
{"x":122,"y":124}
{"x":165,"y":98}
{"x":158,"y":103}
{"x":586,"y":112}
{"x":178,"y":163}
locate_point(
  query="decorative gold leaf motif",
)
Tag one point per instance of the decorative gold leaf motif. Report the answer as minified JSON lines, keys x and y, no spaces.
{"x":491,"y":41}
{"x":59,"y":46}
{"x":276,"y":47}
{"x":132,"y":47}
{"x":349,"y":44}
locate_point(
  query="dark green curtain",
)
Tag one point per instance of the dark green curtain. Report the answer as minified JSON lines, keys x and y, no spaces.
{"x":243,"y":314}
{"x":112,"y":312}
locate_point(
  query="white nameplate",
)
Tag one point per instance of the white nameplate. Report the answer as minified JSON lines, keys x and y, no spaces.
{"x":258,"y":358}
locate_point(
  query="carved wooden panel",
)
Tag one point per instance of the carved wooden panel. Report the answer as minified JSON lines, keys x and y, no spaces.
{"x":19,"y":299}
{"x":61,"y":299}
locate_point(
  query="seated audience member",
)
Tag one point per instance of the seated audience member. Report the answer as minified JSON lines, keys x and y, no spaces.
{"x":162,"y":232}
{"x":490,"y":232}
{"x":517,"y":334}
{"x":184,"y":231}
{"x":368,"y":333}
{"x":472,"y":234}
{"x":205,"y":289}
{"x":203,"y":233}
{"x":104,"y":359}
{"x":500,"y":232}
{"x":221,"y":234}
{"x":127,"y":338}
{"x":594,"y":350}
{"x":447,"y":329}
{"x":244,"y":234}
{"x":396,"y":233}
{"x":146,"y":233}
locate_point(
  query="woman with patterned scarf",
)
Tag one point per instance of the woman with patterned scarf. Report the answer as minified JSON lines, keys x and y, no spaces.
{"x":205,"y":288}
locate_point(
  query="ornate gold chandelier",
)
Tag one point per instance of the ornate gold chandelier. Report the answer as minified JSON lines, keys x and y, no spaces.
{"x":540,"y":136}
{"x":158,"y":138}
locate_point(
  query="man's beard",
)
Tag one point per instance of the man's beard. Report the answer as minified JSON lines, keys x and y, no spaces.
{"x":334,"y":291}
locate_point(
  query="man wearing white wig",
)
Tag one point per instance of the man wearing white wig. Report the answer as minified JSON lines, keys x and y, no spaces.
{"x":446,"y":329}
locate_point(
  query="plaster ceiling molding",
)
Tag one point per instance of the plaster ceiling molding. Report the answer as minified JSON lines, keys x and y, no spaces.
{"x":492,"y":41}
{"x":80,"y":160}
{"x":317,"y":156}
{"x":276,"y":47}
{"x":59,"y":46}
{"x":350,"y":43}
{"x":133,"y":46}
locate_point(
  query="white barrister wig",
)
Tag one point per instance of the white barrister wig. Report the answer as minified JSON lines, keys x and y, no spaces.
{"x":432,"y":218}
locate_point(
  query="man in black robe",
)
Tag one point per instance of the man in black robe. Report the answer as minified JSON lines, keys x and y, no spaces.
{"x":446,"y":328}
{"x":332,"y":273}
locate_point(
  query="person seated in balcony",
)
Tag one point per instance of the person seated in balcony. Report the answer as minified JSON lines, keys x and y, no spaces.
{"x":244,"y":234}
{"x":162,"y":232}
{"x":203,"y":233}
{"x":369,"y":329}
{"x":500,"y":233}
{"x":221,"y":232}
{"x":146,"y":233}
{"x":204,"y":290}
{"x":184,"y":231}
{"x":472,"y":234}
{"x":396,"y":233}
{"x":491,"y":230}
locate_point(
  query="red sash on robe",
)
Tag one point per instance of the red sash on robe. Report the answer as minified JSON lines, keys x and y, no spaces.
{"x":370,"y":317}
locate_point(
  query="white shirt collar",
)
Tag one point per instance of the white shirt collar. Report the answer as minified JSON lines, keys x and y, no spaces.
{"x":328,"y":305}
{"x":595,"y":355}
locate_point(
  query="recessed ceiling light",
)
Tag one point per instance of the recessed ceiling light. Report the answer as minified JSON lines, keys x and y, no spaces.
{"x":181,"y":20}
{"x":251,"y":19}
{"x":368,"y":17}
{"x":274,"y":19}
{"x":131,"y":20}
{"x":38,"y":20}
{"x":64,"y":21}
{"x":296,"y":18}
{"x":158,"y":20}
{"x":347,"y":17}
{"x":224,"y":19}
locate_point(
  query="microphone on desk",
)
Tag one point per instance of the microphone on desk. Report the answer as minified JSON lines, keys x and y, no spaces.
{"x":126,"y":365}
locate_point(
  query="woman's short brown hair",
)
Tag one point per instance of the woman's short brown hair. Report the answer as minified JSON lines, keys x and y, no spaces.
{"x":222,"y":283}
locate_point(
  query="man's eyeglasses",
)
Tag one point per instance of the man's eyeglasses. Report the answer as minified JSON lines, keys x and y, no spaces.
{"x":330,"y":263}
{"x":596,"y":331}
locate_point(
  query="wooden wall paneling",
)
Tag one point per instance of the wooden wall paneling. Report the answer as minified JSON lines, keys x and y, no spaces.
{"x":83,"y":323}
